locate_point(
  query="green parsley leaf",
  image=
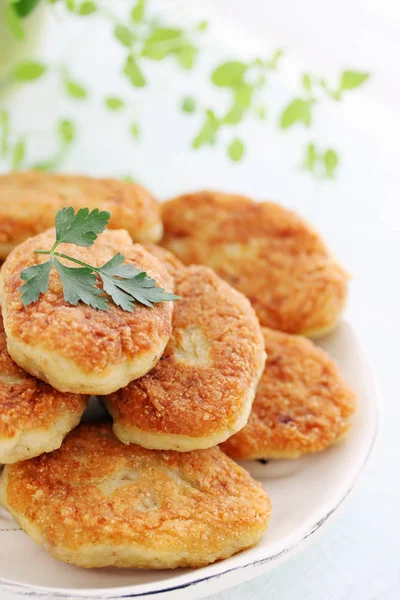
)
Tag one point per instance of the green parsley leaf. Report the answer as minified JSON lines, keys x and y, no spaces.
{"x":331,"y":161}
{"x":36,"y":281}
{"x":244,"y":95}
{"x":80,"y":284}
{"x":138,"y":11}
{"x":229,"y":74}
{"x":272,"y":63}
{"x":66,"y":131}
{"x":311,"y":158}
{"x":261,"y":113}
{"x":46,"y":166}
{"x":18,"y":154}
{"x":207,"y":133}
{"x":202,"y":26}
{"x":186,"y":56}
{"x":188,"y":105}
{"x":25,"y":7}
{"x":13,"y":21}
{"x":297,"y":111}
{"x":29,"y":71}
{"x":135,"y":131}
{"x":134,"y":73}
{"x":143,"y":289}
{"x":236,"y":150}
{"x":306,"y":82}
{"x":234,"y":115}
{"x":352,"y":79}
{"x":74,"y":89}
{"x":4,"y":130}
{"x":87,"y":8}
{"x":124,"y":35}
{"x":81,"y":228}
{"x":123,"y":283}
{"x":114,"y":103}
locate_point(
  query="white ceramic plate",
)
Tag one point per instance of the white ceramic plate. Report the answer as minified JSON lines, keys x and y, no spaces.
{"x":305,"y":495}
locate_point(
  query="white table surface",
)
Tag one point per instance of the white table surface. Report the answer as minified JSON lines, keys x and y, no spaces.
{"x":359,"y":557}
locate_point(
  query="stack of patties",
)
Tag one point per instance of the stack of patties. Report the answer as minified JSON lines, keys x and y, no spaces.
{"x":297,"y":288}
{"x":179,"y":378}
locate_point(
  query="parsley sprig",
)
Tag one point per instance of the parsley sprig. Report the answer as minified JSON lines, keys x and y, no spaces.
{"x":122,"y":283}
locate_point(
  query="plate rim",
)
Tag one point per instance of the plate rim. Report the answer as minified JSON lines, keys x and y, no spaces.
{"x":39,"y":592}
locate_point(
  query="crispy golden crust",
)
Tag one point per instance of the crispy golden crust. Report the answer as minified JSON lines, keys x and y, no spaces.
{"x":302,"y":404}
{"x":96,"y":502}
{"x":30,"y":200}
{"x":201,"y":390}
{"x":34,"y":418}
{"x":79,"y":348}
{"x":168,"y":259}
{"x":268,"y":253}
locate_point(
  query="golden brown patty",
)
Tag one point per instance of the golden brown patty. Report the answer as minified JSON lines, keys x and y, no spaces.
{"x":201,"y":390}
{"x":302,"y":404}
{"x":29,"y":202}
{"x":78,"y":348}
{"x":34,"y":418}
{"x":97,"y":502}
{"x":268,"y":253}
{"x":168,"y":259}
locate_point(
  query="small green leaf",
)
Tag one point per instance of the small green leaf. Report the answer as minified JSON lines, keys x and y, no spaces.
{"x":36,"y":280}
{"x":44,"y":166}
{"x":186,"y":56}
{"x":236,"y":150}
{"x":202,"y":26}
{"x":331,"y":161}
{"x":74,"y":89}
{"x":87,"y":8}
{"x":13,"y":21}
{"x":311,"y":158}
{"x":4,"y":131}
{"x":81,"y":228}
{"x":272,"y":63}
{"x":188,"y":105}
{"x":18,"y":154}
{"x":297,"y":111}
{"x":162,"y":42}
{"x":244,"y":95}
{"x":29,"y":71}
{"x":114,"y":103}
{"x":229,"y":74}
{"x":124,"y":35}
{"x":138,"y":11}
{"x":352,"y":79}
{"x":234,"y":115}
{"x":25,"y":7}
{"x":80,"y":284}
{"x":261,"y":113}
{"x":71,"y":5}
{"x":207,"y":133}
{"x":135,"y":131}
{"x":134,"y":73}
{"x":128,"y":178}
{"x":306,"y":82}
{"x":66,"y":131}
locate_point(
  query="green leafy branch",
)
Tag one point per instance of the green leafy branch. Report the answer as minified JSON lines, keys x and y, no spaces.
{"x":14,"y":148}
{"x":321,"y":164}
{"x":314,"y":90}
{"x":244,"y":82}
{"x":122,"y":283}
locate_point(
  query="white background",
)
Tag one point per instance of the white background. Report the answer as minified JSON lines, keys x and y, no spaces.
{"x":359,"y":214}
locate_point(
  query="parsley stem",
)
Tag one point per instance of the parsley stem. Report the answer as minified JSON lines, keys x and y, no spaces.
{"x":75,"y":260}
{"x":71,"y":258}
